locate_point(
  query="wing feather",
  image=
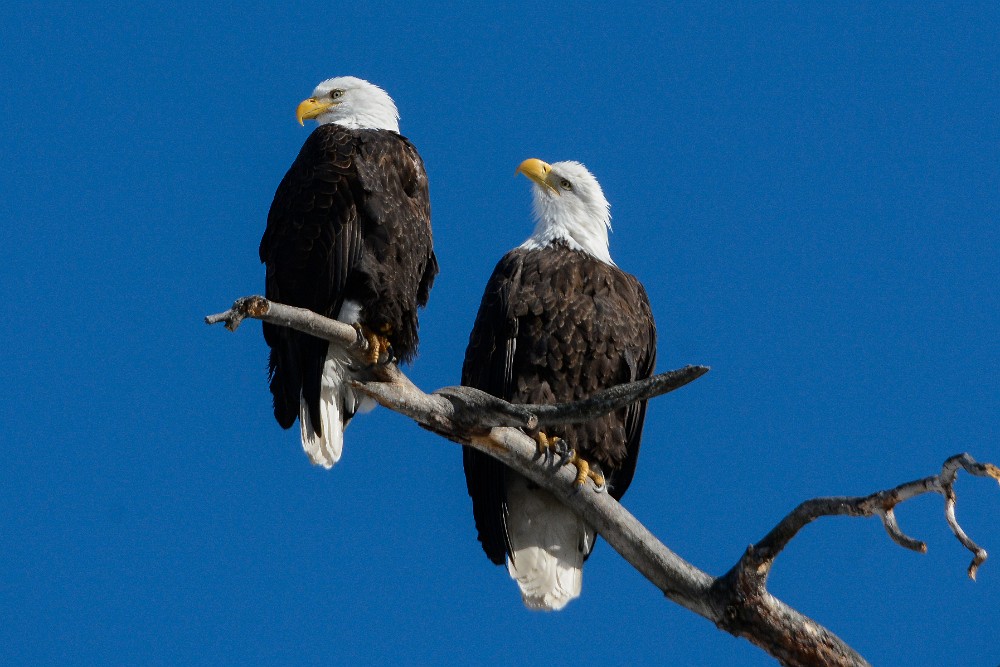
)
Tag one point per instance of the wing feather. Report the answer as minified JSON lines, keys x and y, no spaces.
{"x":639,"y":316}
{"x":557,"y":325}
{"x":488,"y":366}
{"x":312,"y":230}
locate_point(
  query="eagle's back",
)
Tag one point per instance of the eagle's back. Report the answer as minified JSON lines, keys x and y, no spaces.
{"x":350,"y":221}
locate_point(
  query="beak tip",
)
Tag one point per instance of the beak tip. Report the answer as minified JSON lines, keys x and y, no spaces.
{"x":309,"y":109}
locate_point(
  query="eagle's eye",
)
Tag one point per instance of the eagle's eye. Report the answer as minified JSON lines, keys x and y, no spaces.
{"x":334,"y":94}
{"x":565,"y":185}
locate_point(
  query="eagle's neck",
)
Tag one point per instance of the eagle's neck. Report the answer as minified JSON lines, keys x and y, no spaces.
{"x":375,"y":115}
{"x":369,"y":122}
{"x":571,"y":223}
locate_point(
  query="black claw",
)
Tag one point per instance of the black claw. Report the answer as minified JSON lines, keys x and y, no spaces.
{"x":566,"y":455}
{"x":551,"y":450}
{"x":603,"y":486}
{"x":389,"y":356}
{"x":556,"y":446}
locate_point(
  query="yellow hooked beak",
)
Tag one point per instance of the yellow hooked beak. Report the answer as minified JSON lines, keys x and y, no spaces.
{"x":537,"y":171}
{"x":309,"y":109}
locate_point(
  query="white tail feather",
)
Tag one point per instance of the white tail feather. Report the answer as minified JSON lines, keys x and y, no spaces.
{"x":337,"y":405}
{"x":337,"y":402}
{"x":549,"y":543}
{"x":326,"y":449}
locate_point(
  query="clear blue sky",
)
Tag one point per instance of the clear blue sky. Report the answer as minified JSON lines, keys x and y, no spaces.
{"x":810,"y":192}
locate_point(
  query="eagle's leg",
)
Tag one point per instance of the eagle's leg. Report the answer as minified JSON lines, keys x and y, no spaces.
{"x":377,"y":345}
{"x":585,"y":470}
{"x":550,"y":446}
{"x":387,"y":330}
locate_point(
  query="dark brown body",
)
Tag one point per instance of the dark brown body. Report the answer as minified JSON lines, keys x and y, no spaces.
{"x":557,"y":325}
{"x":350,"y":221}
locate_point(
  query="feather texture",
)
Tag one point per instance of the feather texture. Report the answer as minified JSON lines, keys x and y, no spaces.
{"x":549,"y":543}
{"x":555,"y":324}
{"x":350,"y":223}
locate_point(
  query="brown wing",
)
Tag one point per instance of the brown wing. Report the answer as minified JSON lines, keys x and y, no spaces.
{"x":640,"y":358}
{"x":311,"y":243}
{"x":398,"y":265}
{"x":349,"y":221}
{"x":488,"y":363}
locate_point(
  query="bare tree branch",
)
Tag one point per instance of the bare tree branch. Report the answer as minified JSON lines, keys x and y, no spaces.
{"x":882,"y":504}
{"x":737,"y":602}
{"x":259,"y":308}
{"x":609,"y":400}
{"x":469,"y":407}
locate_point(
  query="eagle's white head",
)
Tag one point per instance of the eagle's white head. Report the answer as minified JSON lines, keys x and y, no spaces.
{"x":351,"y":102}
{"x":569,"y":206}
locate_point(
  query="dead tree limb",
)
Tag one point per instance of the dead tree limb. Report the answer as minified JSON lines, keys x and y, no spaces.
{"x":738,"y":601}
{"x":760,"y":557}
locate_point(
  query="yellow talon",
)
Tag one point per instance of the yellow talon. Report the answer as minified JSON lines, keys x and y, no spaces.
{"x":583,"y":471}
{"x":549,"y":445}
{"x":545,"y":443}
{"x":376,"y":344}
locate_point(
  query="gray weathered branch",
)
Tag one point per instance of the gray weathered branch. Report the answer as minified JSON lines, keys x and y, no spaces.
{"x":761,"y":556}
{"x":737,"y":602}
{"x":465,"y":406}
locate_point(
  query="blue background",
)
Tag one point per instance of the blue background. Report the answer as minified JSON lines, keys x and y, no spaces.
{"x":810,"y":193}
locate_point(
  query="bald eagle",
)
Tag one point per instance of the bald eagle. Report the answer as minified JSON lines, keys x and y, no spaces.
{"x":348,"y":236}
{"x":558,"y":322}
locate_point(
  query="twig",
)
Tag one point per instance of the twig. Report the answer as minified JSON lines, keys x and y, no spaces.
{"x":300,"y":319}
{"x":761,"y":556}
{"x":469,"y":407}
{"x":609,"y":400}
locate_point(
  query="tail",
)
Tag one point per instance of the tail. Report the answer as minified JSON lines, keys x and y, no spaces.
{"x":337,"y":405}
{"x":549,"y":544}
